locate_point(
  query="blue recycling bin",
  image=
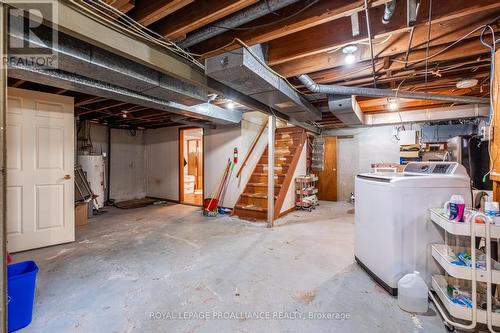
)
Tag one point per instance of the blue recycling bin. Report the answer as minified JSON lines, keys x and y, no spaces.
{"x":21,"y":293}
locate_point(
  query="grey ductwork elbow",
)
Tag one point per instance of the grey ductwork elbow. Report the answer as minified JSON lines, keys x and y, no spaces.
{"x":389,"y":11}
{"x":310,"y":84}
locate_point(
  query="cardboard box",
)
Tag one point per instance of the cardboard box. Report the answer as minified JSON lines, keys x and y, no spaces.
{"x":81,"y":213}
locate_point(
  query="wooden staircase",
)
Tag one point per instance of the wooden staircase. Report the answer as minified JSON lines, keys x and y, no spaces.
{"x":252,"y":203}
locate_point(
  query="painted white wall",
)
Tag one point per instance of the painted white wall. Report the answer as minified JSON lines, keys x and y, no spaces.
{"x":162,"y":163}
{"x":369,"y":145}
{"x":300,"y":170}
{"x":219,"y":145}
{"x":128,"y":176}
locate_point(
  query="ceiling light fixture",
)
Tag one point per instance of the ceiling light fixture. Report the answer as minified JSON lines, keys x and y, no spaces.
{"x":124,"y":114}
{"x":230,"y":105}
{"x":393,"y":104}
{"x":349,"y":50}
{"x":466,"y":83}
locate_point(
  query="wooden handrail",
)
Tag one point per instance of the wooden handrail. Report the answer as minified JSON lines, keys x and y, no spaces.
{"x":252,"y":148}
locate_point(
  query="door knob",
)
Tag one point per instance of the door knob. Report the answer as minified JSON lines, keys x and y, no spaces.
{"x":67,"y":177}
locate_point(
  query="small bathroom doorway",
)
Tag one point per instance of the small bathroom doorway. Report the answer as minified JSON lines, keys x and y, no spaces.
{"x":191,"y":165}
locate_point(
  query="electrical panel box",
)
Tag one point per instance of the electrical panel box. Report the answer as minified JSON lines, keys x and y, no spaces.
{"x":408,"y":137}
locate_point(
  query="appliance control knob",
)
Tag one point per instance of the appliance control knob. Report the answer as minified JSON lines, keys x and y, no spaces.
{"x":424,"y":168}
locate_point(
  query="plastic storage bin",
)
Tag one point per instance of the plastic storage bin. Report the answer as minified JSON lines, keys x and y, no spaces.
{"x":21,"y":293}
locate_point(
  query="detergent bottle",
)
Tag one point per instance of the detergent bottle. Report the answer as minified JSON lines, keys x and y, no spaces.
{"x":413,"y":293}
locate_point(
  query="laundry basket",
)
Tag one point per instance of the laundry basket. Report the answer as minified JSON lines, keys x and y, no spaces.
{"x":21,"y":293}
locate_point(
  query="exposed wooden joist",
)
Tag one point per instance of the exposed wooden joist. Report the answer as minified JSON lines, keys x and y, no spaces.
{"x":332,"y":35}
{"x":443,"y":34}
{"x":147,"y":12}
{"x":320,"y":13}
{"x":88,"y":100}
{"x":196,"y":15}
{"x":105,"y":106}
{"x":61,"y":91}
{"x":18,"y":83}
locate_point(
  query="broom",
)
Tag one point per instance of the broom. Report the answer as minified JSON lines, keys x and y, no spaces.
{"x":216,"y":191}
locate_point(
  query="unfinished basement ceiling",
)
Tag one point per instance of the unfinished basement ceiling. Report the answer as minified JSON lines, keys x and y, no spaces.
{"x":145,"y":68}
{"x":307,"y":37}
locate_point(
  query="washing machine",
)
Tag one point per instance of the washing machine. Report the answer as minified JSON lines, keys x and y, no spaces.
{"x":393,"y":231}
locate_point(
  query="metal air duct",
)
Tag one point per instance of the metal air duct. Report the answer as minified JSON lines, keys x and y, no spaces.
{"x":243,"y":71}
{"x":74,"y":82}
{"x":81,"y":58}
{"x":372,"y":92}
{"x":388,"y":11}
{"x":243,"y":16}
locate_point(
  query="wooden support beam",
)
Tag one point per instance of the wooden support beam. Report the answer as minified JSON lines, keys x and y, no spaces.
{"x":147,"y":12}
{"x":196,"y":15}
{"x":334,"y":35}
{"x":320,"y":13}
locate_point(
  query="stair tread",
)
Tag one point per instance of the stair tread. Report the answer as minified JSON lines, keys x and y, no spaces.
{"x":264,"y":174}
{"x":258,"y":195}
{"x":285,"y":138}
{"x":276,"y":166}
{"x":262,"y":184}
{"x":278,"y":157}
{"x":289,"y":129}
{"x":251,"y":207}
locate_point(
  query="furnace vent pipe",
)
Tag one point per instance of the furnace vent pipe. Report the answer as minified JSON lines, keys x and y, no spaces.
{"x":389,"y":10}
{"x":233,"y":21}
{"x":373,"y":92}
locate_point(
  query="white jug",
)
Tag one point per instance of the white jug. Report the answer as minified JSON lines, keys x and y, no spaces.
{"x":413,"y":293}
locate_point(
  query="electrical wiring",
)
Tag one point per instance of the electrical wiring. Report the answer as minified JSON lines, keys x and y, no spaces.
{"x":491,"y":115}
{"x":396,"y":98}
{"x":385,"y":40}
{"x":442,"y":50}
{"x":428,"y":39}
{"x":141,"y":29}
{"x":119,"y":20}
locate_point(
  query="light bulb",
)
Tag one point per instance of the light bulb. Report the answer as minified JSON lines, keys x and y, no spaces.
{"x":230,"y":105}
{"x":393,"y":105}
{"x":349,"y":59}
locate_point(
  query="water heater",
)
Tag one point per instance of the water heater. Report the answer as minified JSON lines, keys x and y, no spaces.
{"x":93,"y":166}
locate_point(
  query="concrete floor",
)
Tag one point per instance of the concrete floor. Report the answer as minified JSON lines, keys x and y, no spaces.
{"x":171,"y":261}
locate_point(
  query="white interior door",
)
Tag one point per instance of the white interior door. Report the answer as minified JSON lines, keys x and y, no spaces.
{"x":40,"y":169}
